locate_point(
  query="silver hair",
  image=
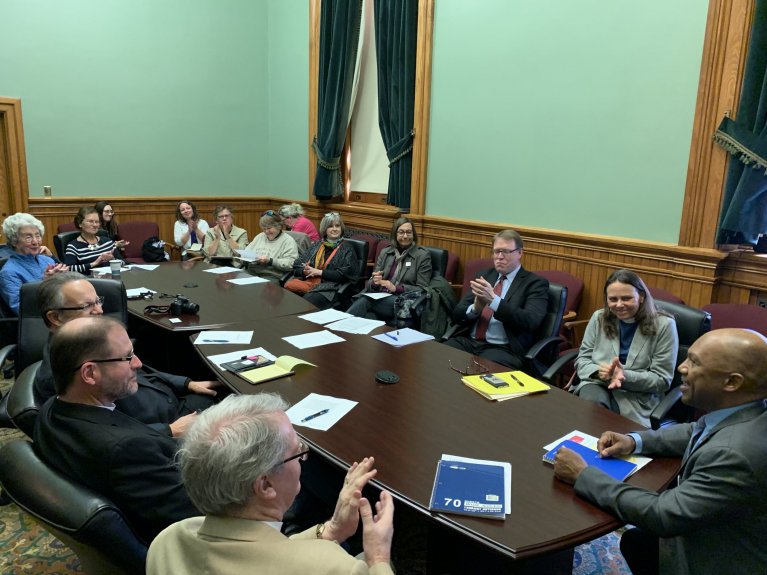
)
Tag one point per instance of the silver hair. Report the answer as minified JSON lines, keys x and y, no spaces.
{"x":49,"y":294}
{"x":12,"y":225}
{"x":230,"y":446}
{"x":328,"y":220}
{"x":267,"y":221}
{"x":291,"y":211}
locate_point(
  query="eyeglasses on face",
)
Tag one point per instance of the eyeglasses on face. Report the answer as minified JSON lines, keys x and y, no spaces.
{"x":92,"y":222}
{"x":474,"y":368}
{"x":128,"y":357}
{"x":83,"y":307}
{"x":29,"y":238}
{"x":302,"y":455}
{"x":404,"y":232}
{"x":223,"y":216}
{"x":504,"y":252}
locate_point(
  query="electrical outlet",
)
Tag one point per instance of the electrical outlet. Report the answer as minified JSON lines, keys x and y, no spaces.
{"x":47,"y":191}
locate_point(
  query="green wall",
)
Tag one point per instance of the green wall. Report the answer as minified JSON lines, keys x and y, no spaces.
{"x":564,"y":115}
{"x":140,"y":97}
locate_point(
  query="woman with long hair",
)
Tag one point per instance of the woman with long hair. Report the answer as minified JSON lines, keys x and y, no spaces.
{"x":627,"y":358}
{"x":188,"y":229}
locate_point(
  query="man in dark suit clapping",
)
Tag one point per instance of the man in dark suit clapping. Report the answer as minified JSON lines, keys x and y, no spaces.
{"x":504,"y":308}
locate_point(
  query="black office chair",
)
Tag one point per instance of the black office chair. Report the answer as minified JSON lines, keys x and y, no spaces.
{"x":439,"y":259}
{"x":22,"y":406}
{"x":88,"y":523}
{"x":62,"y":240}
{"x":691,"y":323}
{"x":302,"y":240}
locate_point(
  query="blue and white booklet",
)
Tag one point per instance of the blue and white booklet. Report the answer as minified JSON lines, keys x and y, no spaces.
{"x":473,"y":487}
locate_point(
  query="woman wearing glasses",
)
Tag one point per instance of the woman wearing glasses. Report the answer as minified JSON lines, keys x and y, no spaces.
{"x":188,"y":228}
{"x":89,"y":250}
{"x":108,"y":223}
{"x":319,"y":270}
{"x":30,"y":260}
{"x":401,"y":267}
{"x":294,"y":219}
{"x":275,"y":250}
{"x":627,"y":358}
{"x":222,"y":239}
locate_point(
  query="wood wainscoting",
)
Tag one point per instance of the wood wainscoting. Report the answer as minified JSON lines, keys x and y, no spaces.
{"x":697,"y":275}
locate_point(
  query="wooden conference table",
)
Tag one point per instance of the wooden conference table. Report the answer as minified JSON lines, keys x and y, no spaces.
{"x":163,"y":343}
{"x":409,"y":425}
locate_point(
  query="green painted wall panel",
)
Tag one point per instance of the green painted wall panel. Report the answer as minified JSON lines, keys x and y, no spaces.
{"x":564,"y":115}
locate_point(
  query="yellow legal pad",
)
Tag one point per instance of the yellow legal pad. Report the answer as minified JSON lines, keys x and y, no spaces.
{"x":283,"y":367}
{"x":520,"y":384}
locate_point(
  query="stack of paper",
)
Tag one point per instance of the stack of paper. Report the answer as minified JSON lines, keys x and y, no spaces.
{"x":403,"y":337}
{"x":519,"y":384}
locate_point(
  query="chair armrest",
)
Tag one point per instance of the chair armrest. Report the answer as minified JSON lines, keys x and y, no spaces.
{"x":22,"y":404}
{"x":453,"y":331}
{"x":661,"y":411}
{"x":569,"y":316}
{"x":7,"y":353}
{"x":555,"y":368}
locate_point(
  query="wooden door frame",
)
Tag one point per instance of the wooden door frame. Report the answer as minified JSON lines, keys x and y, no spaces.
{"x":13,"y":162}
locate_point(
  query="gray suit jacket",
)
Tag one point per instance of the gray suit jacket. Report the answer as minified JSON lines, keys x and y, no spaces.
{"x":202,"y":545}
{"x":715,"y":520}
{"x":649,"y":366}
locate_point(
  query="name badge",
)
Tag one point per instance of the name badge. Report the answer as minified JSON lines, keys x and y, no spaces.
{"x":407,"y":264}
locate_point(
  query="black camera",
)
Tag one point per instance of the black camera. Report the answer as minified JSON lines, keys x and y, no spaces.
{"x":182,"y":306}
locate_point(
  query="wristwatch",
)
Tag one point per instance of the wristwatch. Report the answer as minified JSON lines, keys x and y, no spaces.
{"x":319,"y":530}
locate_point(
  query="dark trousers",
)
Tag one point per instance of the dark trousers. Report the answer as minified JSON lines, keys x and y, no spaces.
{"x":497,"y":353}
{"x":640,"y":550}
{"x":381,"y":309}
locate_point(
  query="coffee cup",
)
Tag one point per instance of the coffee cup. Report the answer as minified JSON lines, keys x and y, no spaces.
{"x":115,"y":266}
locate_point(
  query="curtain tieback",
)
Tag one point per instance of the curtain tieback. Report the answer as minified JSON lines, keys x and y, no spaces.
{"x":327,"y":163}
{"x":401,"y":148}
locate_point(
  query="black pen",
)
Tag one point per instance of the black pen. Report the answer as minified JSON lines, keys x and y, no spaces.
{"x":515,"y":378}
{"x":313,"y":415}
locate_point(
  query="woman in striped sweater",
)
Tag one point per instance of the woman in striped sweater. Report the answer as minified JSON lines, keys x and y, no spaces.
{"x":89,"y":250}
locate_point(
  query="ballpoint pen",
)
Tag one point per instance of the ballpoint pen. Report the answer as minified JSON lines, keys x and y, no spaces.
{"x":515,"y":378}
{"x":313,"y":415}
{"x":391,"y":336}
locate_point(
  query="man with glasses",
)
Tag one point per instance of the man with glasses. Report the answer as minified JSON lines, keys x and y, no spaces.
{"x":503,"y":308}
{"x":80,"y":433}
{"x":241,"y":466}
{"x":168,"y":403}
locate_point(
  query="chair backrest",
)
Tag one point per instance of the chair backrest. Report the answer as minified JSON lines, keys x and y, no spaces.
{"x":665,"y":295}
{"x":740,"y":315}
{"x":438,"y":260}
{"x":540,"y":359}
{"x":371,"y":241}
{"x":691,"y":323}
{"x":22,"y":405}
{"x":472,"y":269}
{"x":452,"y":267}
{"x":302,"y":240}
{"x":91,"y":525}
{"x":384,"y":243}
{"x":61,"y":241}
{"x":360,"y":248}
{"x":33,"y":333}
{"x":573,"y":284}
{"x":136,"y":233}
{"x":68,"y":227}
{"x":8,"y":320}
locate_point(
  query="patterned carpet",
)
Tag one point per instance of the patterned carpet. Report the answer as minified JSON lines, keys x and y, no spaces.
{"x":27,"y":549}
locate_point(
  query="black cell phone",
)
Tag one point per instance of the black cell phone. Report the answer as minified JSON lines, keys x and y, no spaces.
{"x":248,"y":362}
{"x":494,"y":380}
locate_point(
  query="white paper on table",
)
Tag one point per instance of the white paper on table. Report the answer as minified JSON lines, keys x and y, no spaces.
{"x":222,"y":270}
{"x":314,"y":403}
{"x":136,"y":292}
{"x":402,"y":337}
{"x":356,"y":325}
{"x":506,"y":474}
{"x":174,"y":320}
{"x":220,"y":358}
{"x":108,"y":270}
{"x":591,"y":442}
{"x":222,"y":336}
{"x":376,"y":294}
{"x":147,"y":267}
{"x":248,"y":280}
{"x":314,"y":339}
{"x":325,"y":316}
{"x":246,"y":256}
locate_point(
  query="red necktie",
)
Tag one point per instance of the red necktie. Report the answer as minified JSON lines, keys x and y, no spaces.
{"x":487,"y":313}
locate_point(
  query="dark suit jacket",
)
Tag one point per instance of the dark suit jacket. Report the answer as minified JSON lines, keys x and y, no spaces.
{"x":521,"y":311}
{"x":121,"y":458}
{"x":717,"y":515}
{"x":157,"y":402}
